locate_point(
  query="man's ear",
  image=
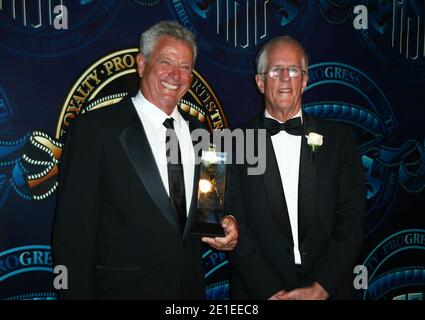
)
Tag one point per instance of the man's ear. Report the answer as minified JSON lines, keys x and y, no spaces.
{"x":140,"y":59}
{"x":260,"y":82}
{"x":305,"y":81}
{"x":190,"y":82}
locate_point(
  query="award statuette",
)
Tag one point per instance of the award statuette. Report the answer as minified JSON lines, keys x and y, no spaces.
{"x":211,"y":188}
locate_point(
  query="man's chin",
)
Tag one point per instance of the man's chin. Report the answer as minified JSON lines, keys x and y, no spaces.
{"x":169,"y":104}
{"x":287,"y":106}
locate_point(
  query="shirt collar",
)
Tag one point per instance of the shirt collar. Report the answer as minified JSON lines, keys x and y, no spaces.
{"x":154,"y":114}
{"x":299,"y":114}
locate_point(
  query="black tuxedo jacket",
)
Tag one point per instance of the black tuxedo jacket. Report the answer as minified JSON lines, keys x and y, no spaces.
{"x":114,"y":228}
{"x":330,"y":214}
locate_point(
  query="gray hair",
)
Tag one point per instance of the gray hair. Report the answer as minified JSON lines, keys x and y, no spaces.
{"x":261,"y":59}
{"x":173,"y":29}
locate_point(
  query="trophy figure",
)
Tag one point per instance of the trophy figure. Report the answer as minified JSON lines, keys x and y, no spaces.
{"x":211,"y":189}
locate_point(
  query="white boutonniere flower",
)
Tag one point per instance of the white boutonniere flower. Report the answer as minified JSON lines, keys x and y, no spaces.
{"x":314,"y":140}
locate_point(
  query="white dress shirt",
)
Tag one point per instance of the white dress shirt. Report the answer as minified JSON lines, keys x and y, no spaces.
{"x":152,"y":119}
{"x":287,"y":149}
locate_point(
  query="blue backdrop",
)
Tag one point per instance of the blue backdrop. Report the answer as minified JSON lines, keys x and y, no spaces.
{"x":372,"y":79}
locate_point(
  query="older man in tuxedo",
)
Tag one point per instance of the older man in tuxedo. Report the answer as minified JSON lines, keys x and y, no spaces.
{"x":125,"y":210}
{"x":300,"y":223}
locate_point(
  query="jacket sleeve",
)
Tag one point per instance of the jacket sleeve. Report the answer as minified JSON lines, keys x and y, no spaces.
{"x":74,"y":229}
{"x":339,"y":255}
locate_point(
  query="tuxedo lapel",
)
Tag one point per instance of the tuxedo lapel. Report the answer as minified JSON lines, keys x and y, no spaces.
{"x":136,"y":145}
{"x":193,"y":204}
{"x":307,"y":179}
{"x":193,"y":209}
{"x":274,"y":188}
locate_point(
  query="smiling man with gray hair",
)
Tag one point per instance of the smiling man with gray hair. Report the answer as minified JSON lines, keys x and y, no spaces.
{"x":124,"y":210}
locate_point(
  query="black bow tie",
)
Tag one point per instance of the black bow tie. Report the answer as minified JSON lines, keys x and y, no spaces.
{"x":292,"y":126}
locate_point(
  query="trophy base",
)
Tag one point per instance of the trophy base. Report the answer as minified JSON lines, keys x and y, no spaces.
{"x":208,"y":222}
{"x":208,"y":229}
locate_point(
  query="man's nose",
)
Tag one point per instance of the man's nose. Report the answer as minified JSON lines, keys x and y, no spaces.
{"x":175,"y":72}
{"x":284,"y":76}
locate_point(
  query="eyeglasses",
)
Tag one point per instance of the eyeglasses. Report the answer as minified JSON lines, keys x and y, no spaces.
{"x":276,"y":71}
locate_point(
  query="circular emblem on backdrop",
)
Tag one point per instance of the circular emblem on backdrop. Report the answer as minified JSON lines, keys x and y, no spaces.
{"x":230,"y":32}
{"x":17,"y":264}
{"x":28,"y":27}
{"x":369,"y":112}
{"x":113,"y":77}
{"x":386,"y":279}
{"x":396,"y":36}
